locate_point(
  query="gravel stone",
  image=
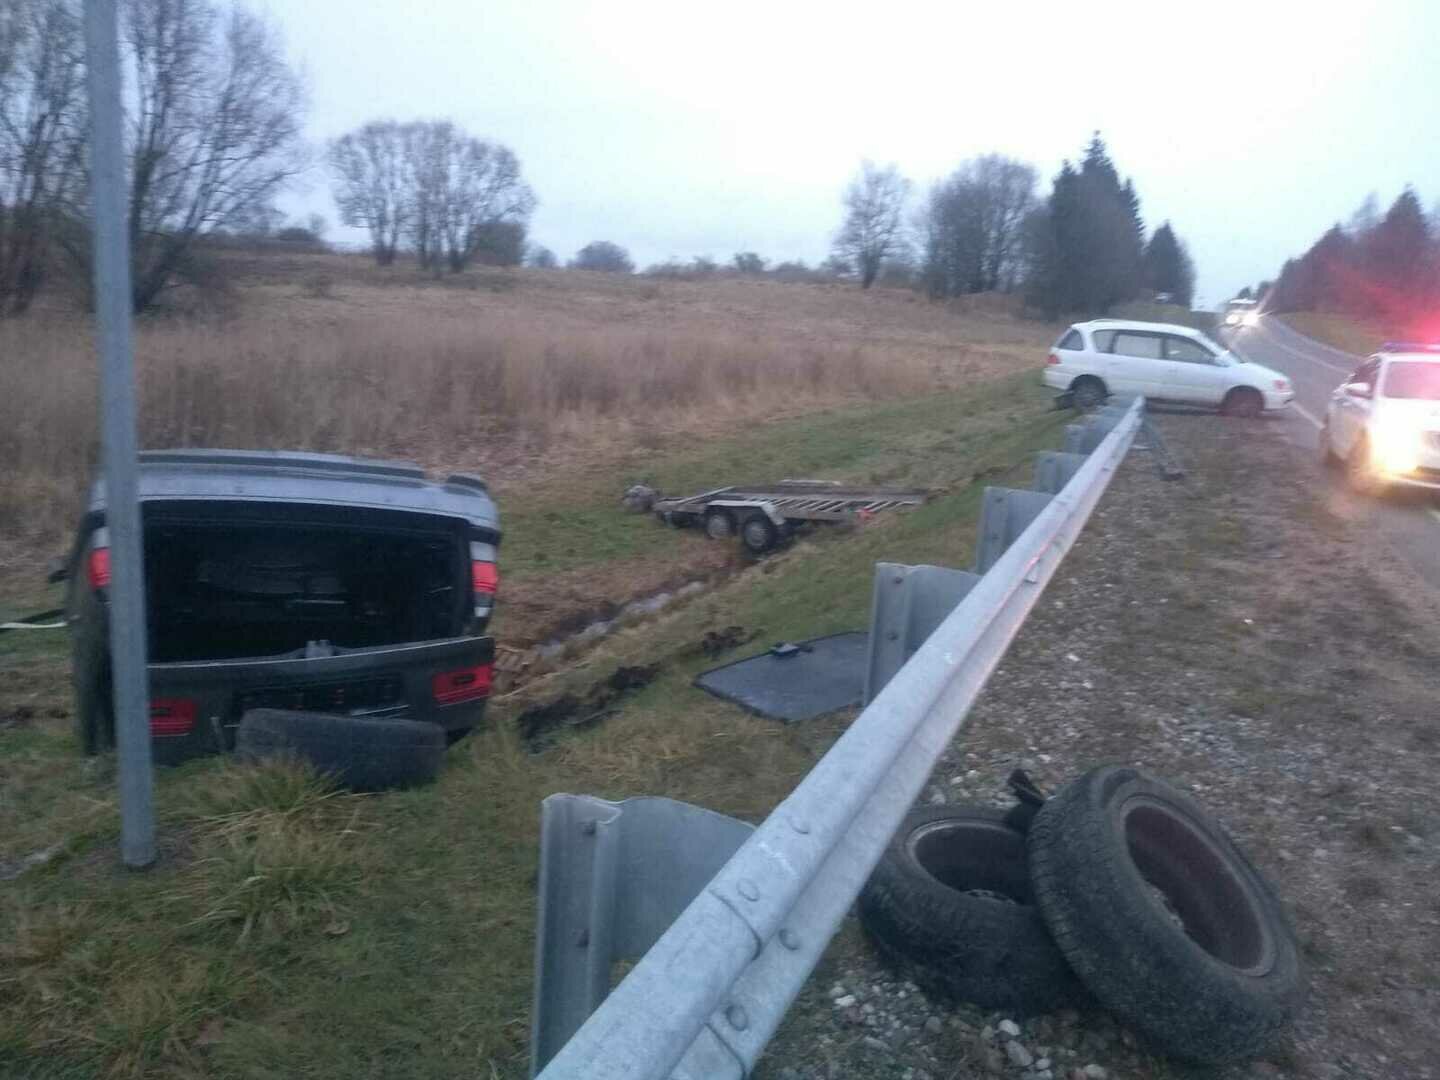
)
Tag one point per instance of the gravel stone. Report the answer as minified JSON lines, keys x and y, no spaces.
{"x":1010,"y":1029}
{"x":1018,"y":1055}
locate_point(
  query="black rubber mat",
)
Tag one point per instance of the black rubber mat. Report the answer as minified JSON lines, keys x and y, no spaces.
{"x":795,"y":681}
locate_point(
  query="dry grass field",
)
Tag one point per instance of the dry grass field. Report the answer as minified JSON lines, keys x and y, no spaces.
{"x":518,"y":375}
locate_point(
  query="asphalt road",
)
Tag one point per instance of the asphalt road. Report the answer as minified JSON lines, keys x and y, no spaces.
{"x":1408,"y":518}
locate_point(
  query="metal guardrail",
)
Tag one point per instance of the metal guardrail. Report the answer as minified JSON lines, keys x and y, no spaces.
{"x":724,"y":966}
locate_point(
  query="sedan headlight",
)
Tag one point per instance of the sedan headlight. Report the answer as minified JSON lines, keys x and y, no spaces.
{"x":1250,"y":318}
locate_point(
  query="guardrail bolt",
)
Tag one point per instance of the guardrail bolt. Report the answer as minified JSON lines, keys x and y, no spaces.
{"x":582,"y":937}
{"x":800,"y":825}
{"x":588,"y":827}
{"x":738,"y":1018}
{"x":789,"y":939}
{"x":749,"y":890}
{"x":893,"y":635}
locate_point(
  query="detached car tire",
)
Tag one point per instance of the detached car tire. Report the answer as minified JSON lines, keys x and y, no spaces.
{"x":362,"y":753}
{"x":1163,"y":918}
{"x":950,"y":903}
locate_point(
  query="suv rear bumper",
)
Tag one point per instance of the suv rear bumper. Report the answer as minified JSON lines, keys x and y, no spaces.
{"x":393,"y":681}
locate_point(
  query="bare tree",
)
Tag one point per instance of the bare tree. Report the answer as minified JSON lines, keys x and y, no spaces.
{"x":874,"y":203}
{"x":214,"y":133}
{"x":464,"y":190}
{"x":41,"y":79}
{"x":972,"y":226}
{"x":373,"y":184}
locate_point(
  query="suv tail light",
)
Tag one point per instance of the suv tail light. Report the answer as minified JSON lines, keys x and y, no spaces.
{"x":1052,"y":359}
{"x":98,"y":568}
{"x":484,"y":578}
{"x":464,"y":684}
{"x":172,"y":716}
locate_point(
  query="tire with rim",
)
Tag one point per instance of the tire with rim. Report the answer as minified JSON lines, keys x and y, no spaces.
{"x":1244,"y":402}
{"x":719,"y":525}
{"x":759,"y":534}
{"x":1088,"y":392}
{"x":1163,"y":918}
{"x":359,"y":752}
{"x":950,"y":903}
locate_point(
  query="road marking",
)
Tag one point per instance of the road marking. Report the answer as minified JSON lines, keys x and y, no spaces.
{"x":1273,"y":340}
{"x":1306,"y":413}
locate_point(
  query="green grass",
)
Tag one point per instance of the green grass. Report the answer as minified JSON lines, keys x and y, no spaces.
{"x":929,"y":443}
{"x":1341,"y":331}
{"x":290,"y":931}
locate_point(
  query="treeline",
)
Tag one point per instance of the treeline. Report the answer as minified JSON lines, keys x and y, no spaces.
{"x":1384,"y":269}
{"x":985,"y":228}
{"x":213,"y":134}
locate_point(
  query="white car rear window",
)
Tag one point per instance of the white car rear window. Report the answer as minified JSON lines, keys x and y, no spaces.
{"x":1071,"y":341}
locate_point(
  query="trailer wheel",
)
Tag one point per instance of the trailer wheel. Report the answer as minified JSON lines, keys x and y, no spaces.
{"x":759,"y":534}
{"x":719,"y":525}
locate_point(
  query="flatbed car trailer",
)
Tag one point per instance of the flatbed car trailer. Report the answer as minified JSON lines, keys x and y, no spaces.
{"x":762,"y":514}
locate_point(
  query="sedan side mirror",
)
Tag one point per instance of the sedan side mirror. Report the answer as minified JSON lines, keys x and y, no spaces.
{"x":1359,"y":389}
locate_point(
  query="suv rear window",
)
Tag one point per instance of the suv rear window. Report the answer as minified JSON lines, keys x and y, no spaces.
{"x":1071,"y":342}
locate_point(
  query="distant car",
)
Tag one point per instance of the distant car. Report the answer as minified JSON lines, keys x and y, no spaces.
{"x":1093,"y":360}
{"x":1383,"y":422}
{"x":304,"y":582}
{"x":1241,"y":313}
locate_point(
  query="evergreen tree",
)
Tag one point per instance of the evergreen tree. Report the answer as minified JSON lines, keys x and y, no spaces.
{"x":1168,"y":268}
{"x":1086,"y":251}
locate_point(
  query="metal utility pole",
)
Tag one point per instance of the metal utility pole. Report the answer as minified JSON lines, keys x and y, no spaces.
{"x":117,"y":421}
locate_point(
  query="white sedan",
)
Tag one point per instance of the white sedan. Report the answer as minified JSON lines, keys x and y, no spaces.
{"x":1093,"y":360}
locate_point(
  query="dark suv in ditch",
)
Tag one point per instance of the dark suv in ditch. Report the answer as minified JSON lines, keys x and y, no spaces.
{"x":278,"y":580}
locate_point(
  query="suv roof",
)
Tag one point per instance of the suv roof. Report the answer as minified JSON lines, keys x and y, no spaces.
{"x":293,"y":477}
{"x":1135,"y":324}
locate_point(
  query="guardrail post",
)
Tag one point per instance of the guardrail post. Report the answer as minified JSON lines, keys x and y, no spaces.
{"x":613,"y":877}
{"x":909,"y":603}
{"x":1005,"y":513}
{"x":1053,"y":470}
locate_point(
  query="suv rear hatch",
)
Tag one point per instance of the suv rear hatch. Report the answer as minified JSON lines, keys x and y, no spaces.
{"x":308,"y":582}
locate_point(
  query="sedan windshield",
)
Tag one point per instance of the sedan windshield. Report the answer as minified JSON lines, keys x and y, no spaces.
{"x":1413,"y":379}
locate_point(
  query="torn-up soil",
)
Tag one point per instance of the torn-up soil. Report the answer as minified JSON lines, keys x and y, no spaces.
{"x":1244,"y":637}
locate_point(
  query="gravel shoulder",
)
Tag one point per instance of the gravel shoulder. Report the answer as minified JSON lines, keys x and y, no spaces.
{"x":1245,"y":636}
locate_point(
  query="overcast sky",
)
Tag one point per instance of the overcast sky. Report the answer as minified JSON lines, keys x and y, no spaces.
{"x":677,"y":129}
